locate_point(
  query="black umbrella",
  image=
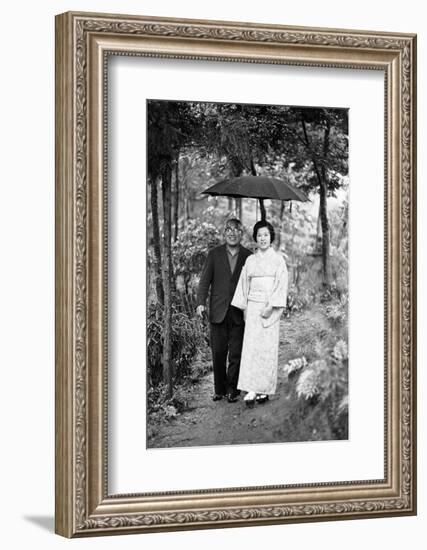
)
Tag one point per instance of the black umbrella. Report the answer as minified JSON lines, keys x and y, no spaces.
{"x":257,"y":187}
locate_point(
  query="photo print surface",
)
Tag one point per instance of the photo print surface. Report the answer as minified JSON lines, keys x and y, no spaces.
{"x":247,"y":274}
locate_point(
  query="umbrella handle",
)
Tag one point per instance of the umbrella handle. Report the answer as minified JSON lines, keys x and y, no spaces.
{"x":262,"y":207}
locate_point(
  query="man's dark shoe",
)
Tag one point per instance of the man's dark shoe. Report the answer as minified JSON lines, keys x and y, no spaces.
{"x":217,"y":397}
{"x":232,"y":397}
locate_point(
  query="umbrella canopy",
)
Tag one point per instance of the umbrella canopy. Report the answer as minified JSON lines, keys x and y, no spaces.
{"x":257,"y":187}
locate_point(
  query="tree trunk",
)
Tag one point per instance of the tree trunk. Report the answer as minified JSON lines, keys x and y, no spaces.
{"x":239,"y":208}
{"x":176,"y":206}
{"x":186,"y":208}
{"x":326,"y":237}
{"x":156,"y":242}
{"x":323,"y":209}
{"x":230,"y":205}
{"x":279,"y":236}
{"x":167,"y":279}
{"x":261,"y":201}
{"x":319,"y":230}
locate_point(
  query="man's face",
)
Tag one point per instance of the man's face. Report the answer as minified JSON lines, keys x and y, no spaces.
{"x":233,"y":234}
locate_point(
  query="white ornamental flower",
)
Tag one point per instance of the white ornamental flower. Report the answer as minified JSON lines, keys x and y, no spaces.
{"x":340,"y":350}
{"x":170,"y":411}
{"x":307,"y":384}
{"x":295,"y":365}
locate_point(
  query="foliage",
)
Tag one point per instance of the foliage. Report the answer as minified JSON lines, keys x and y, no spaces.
{"x":161,"y":408}
{"x":295,"y":365}
{"x":298,"y":301}
{"x":323,"y":384}
{"x":337,"y":311}
{"x":171,"y":126}
{"x":304,"y":142}
{"x":318,"y":371}
{"x":198,"y":170}
{"x":191,"y":249}
{"x":308,"y":384}
{"x":296,"y":231}
{"x":298,"y":240}
{"x":188,"y":337}
{"x":209,"y":141}
{"x":206,"y":142}
{"x":272,"y":134}
{"x":154,"y":342}
{"x":201,"y":365}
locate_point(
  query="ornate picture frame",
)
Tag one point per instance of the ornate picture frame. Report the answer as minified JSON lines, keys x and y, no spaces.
{"x":84,"y":42}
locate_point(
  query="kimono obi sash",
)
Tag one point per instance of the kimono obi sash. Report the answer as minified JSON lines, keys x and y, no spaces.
{"x":260,"y":288}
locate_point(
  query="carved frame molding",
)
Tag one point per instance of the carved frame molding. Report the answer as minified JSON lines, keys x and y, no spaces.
{"x":83,"y":43}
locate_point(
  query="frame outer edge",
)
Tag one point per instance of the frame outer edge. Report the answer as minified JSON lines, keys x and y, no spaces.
{"x":64,"y":237}
{"x":73,"y":399}
{"x":413,"y":296}
{"x":248,"y":25}
{"x":95,"y":262}
{"x":414,"y":259}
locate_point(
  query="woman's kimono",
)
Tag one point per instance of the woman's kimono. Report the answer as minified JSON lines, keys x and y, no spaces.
{"x":263,"y":281}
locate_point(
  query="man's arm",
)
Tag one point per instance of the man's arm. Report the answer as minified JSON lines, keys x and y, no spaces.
{"x":205,"y":280}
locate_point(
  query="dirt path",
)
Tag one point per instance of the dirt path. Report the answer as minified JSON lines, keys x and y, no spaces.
{"x":206,"y":422}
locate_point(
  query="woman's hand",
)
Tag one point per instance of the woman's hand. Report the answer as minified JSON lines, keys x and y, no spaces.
{"x":266,"y":312}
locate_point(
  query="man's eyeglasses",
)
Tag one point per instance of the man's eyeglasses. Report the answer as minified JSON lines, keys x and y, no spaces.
{"x":231,"y":230}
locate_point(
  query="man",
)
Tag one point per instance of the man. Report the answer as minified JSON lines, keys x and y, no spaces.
{"x":220,"y":274}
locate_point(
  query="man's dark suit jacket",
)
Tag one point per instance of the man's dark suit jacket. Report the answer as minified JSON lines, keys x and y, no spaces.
{"x":217,"y":275}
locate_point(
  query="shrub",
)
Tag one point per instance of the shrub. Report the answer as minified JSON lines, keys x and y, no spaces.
{"x":337,"y":311}
{"x":159,"y":408}
{"x":188,"y":338}
{"x":298,"y":300}
{"x":201,"y":365}
{"x":154,"y":343}
{"x":325,"y":377}
{"x":294,"y":366}
{"x":323,"y":384}
{"x":190,"y":250}
{"x":308,"y":384}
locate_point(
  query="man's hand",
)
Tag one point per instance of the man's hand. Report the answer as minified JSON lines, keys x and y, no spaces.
{"x":266,"y":312}
{"x":200,"y":310}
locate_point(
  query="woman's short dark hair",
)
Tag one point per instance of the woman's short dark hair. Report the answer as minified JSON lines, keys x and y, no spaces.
{"x":264,"y":223}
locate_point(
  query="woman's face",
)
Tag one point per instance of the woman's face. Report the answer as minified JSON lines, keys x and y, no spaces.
{"x":263,"y":238}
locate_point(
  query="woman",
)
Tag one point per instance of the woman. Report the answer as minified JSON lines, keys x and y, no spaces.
{"x":261,"y":294}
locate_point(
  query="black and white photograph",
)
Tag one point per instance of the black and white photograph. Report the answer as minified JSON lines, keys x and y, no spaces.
{"x":247,"y":273}
{"x":214,"y":251}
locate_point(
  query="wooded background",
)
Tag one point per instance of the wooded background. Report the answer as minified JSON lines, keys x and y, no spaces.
{"x":193,"y":145}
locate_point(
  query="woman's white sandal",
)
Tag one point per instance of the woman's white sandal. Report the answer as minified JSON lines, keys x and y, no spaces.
{"x":261,"y":398}
{"x":249,"y":399}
